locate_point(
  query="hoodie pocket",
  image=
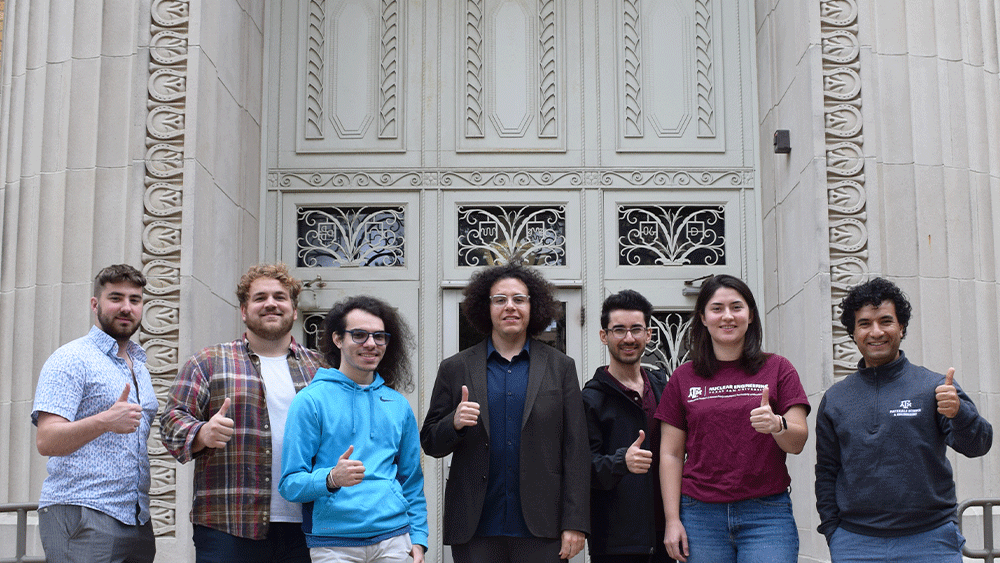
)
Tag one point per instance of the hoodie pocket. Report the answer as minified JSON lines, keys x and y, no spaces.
{"x":363,"y":510}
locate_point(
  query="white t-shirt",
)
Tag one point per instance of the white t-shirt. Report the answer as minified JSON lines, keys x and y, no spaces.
{"x":279,"y":391}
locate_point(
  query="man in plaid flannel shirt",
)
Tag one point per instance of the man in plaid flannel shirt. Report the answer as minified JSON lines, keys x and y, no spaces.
{"x":226,"y":410}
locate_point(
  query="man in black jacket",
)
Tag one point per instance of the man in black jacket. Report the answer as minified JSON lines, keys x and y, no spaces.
{"x":626,"y":511}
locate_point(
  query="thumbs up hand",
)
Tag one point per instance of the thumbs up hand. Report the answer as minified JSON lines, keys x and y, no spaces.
{"x":123,"y":417}
{"x":948,"y":402}
{"x":347,"y":473}
{"x":637,"y":459}
{"x":467,"y":412}
{"x":763,"y":418}
{"x":217,"y":432}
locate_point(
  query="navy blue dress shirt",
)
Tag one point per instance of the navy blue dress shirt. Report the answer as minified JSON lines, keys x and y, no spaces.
{"x":507,"y":388}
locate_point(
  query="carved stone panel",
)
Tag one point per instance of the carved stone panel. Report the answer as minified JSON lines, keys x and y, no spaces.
{"x":510,"y":75}
{"x":669,"y":80}
{"x":350,"y":91}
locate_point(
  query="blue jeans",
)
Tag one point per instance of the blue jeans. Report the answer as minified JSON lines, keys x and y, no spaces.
{"x":285,"y":543}
{"x":940,"y":545}
{"x":760,"y":530}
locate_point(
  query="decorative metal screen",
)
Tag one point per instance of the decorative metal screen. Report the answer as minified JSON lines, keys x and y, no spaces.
{"x":667,"y":347}
{"x":671,"y":235}
{"x":497,"y":234}
{"x":360,"y":236}
{"x":312,"y":325}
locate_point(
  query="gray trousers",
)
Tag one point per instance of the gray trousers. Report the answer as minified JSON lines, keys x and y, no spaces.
{"x":77,"y":534}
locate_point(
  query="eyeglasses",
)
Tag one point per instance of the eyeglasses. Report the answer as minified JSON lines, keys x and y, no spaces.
{"x":519,"y":300}
{"x":360,"y":336}
{"x":620,"y":331}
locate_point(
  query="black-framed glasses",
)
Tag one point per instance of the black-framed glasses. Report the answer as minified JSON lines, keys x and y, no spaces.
{"x":500,"y":300}
{"x":360,"y":336}
{"x":620,"y":331}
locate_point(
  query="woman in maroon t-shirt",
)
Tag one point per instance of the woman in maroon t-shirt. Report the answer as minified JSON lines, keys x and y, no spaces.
{"x":729,"y":417}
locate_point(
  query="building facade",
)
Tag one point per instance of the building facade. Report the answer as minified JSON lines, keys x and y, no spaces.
{"x":391,"y":147}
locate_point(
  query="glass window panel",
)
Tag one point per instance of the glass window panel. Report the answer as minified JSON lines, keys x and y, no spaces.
{"x":554,"y":335}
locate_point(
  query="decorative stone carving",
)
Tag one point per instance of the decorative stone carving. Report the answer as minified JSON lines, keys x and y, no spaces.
{"x":704,"y":54}
{"x":716,"y":178}
{"x":632,"y":79}
{"x":548,"y":115}
{"x":474,"y":69}
{"x":848,"y":235}
{"x":388,"y":71}
{"x":161,"y":238}
{"x":315,"y":43}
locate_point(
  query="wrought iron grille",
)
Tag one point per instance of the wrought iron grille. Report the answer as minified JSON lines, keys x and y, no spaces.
{"x":346,"y":236}
{"x":671,"y":235}
{"x":667,"y":347}
{"x":496,"y":234}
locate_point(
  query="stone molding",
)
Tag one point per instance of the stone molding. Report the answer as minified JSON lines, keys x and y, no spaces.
{"x":845,"y":165}
{"x":284,"y":179}
{"x":167,"y":89}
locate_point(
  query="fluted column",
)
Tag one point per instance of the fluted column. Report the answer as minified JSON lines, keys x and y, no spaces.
{"x":70,"y":202}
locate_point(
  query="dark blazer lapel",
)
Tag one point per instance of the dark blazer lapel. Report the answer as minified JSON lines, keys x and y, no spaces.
{"x":536,"y":372}
{"x":479,"y":390}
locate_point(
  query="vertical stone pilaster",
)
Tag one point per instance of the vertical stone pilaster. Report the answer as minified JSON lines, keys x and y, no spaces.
{"x":845,"y":163}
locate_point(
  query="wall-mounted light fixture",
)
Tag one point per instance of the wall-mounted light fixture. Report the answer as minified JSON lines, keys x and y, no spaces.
{"x":782,"y":143}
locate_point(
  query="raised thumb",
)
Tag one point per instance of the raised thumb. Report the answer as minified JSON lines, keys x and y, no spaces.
{"x":128,"y":387}
{"x":638,"y":441}
{"x":764,"y":397}
{"x":465,"y":394}
{"x":949,"y":378}
{"x":347,"y":454}
{"x":225,"y":407}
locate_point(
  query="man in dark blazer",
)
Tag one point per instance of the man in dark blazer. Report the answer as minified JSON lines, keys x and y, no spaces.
{"x":511,"y":412}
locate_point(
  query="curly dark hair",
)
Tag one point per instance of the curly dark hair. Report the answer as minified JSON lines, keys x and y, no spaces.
{"x":873,"y":292}
{"x":276,"y":271}
{"x":117,"y":273}
{"x":476,"y":305}
{"x":625,"y":300}
{"x":700,"y":340}
{"x":395,"y":367}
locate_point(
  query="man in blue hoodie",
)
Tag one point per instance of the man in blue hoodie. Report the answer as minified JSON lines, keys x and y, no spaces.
{"x":884,"y":487}
{"x":352,"y":449}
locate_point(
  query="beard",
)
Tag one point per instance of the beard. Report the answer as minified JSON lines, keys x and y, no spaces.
{"x":112,"y":329}
{"x":270,"y":331}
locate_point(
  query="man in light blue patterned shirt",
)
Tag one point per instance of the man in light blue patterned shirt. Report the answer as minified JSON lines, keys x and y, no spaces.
{"x":94,"y":406}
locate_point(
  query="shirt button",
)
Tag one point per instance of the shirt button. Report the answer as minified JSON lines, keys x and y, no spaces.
{"x":267,"y":452}
{"x":267,"y":427}
{"x":267,"y":479}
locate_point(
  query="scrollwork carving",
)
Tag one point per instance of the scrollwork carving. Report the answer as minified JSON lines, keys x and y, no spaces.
{"x":669,"y":235}
{"x":724,"y":178}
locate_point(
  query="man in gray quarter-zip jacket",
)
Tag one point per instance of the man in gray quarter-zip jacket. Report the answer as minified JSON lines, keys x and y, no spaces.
{"x":884,"y":486}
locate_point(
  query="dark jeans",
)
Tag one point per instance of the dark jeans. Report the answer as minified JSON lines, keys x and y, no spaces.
{"x":285,"y":543}
{"x":71,"y":534}
{"x":659,"y":556}
{"x":502,"y":549}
